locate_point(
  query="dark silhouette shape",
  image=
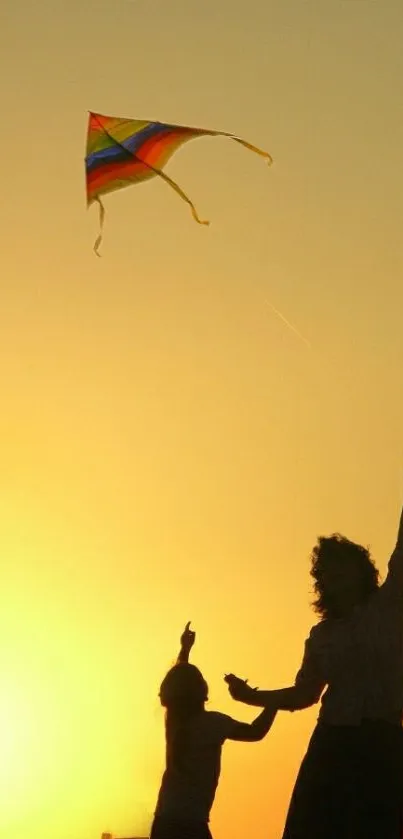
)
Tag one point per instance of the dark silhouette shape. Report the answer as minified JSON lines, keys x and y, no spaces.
{"x":350,"y":783}
{"x":344,"y":575}
{"x":194,"y":740}
{"x":109,"y":836}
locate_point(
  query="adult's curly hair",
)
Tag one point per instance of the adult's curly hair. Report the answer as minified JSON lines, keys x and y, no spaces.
{"x":337,"y":549}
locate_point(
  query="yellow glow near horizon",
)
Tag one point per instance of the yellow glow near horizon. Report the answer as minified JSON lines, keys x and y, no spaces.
{"x":16,"y":734}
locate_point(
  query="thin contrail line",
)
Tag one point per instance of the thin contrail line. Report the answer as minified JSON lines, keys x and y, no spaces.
{"x":287,"y":323}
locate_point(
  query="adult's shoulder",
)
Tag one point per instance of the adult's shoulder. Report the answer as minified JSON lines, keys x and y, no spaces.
{"x":319,"y":631}
{"x":319,"y":628}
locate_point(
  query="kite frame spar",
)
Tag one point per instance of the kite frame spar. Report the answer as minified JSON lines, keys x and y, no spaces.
{"x":193,"y":133}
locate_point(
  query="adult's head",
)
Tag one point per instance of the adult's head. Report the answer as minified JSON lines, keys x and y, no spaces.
{"x":344,"y":575}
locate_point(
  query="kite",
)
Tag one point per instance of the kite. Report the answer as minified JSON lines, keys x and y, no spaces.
{"x":122,"y":152}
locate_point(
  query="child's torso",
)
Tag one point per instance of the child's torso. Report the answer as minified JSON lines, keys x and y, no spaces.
{"x":190,"y":779}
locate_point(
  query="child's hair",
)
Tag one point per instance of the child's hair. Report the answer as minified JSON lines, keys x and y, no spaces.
{"x":183,"y":693}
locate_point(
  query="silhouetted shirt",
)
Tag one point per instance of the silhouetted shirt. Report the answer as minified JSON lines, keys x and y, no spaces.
{"x":360,"y":658}
{"x":188,"y":792}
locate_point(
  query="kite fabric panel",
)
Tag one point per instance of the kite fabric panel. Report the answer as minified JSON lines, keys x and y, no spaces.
{"x":122,"y":152}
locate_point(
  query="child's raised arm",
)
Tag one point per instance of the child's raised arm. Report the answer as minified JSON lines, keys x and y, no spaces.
{"x":188,"y":638}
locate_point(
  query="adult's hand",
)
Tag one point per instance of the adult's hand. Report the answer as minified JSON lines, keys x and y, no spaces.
{"x":239,"y":689}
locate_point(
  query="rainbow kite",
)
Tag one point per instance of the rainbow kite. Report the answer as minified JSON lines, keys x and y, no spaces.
{"x":121,"y":152}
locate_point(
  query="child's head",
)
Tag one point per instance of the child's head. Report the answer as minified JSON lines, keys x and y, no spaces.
{"x":183,"y":693}
{"x":184,"y":690}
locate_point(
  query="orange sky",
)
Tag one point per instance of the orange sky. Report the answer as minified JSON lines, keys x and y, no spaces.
{"x":169,"y":448}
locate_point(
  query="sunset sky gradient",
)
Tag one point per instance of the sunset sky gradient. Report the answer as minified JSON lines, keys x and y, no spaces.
{"x":170,"y":449}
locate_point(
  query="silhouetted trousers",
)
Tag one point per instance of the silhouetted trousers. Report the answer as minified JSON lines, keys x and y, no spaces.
{"x":350,"y":784}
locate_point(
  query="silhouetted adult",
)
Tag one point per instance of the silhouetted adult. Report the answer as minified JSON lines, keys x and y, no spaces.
{"x":350,"y":783}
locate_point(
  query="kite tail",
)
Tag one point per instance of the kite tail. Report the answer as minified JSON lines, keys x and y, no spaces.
{"x":249,"y":146}
{"x":101,"y":225}
{"x":181,"y":193}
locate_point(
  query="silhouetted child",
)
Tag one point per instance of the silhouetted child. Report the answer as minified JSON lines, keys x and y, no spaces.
{"x":194,"y":739}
